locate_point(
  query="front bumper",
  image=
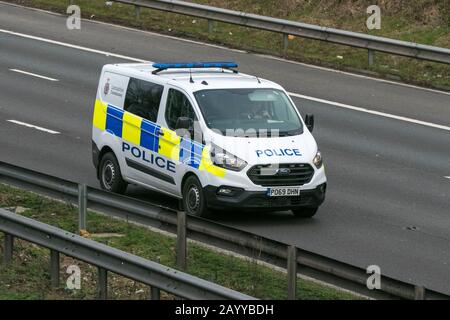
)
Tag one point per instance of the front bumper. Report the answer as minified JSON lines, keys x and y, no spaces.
{"x":258,"y":200}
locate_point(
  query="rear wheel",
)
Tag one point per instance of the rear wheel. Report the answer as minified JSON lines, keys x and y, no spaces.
{"x":110,"y":175}
{"x":194,"y":201}
{"x":305,"y":212}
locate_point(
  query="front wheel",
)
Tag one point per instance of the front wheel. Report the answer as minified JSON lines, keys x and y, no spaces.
{"x":305,"y":212}
{"x":110,"y":175}
{"x":193,"y":197}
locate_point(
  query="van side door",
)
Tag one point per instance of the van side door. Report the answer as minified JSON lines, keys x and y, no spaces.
{"x":179,"y":145}
{"x":141,"y":135}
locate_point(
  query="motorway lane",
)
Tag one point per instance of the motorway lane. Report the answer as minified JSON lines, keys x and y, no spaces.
{"x":385,"y":175}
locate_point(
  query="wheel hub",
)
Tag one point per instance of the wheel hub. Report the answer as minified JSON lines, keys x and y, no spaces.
{"x":108,"y":174}
{"x":193,"y":198}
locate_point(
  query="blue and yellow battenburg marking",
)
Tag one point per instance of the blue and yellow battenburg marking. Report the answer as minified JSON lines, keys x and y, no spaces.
{"x":144,"y":133}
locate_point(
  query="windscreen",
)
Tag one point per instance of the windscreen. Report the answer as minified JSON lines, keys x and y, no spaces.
{"x":249,"y":112}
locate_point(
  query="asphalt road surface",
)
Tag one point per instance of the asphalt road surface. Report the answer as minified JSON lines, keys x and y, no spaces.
{"x":386,"y":146}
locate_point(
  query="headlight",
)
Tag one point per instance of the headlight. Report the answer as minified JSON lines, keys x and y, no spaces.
{"x":224,"y":159}
{"x":318,"y":160}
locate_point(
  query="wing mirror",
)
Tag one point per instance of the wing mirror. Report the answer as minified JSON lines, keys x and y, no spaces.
{"x":185,"y":127}
{"x":184,"y":123}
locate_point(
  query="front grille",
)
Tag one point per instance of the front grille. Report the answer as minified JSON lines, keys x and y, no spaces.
{"x":276,"y":175}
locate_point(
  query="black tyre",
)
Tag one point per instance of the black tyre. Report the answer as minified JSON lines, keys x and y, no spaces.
{"x":110,"y":175}
{"x":305,"y":212}
{"x":194,"y":201}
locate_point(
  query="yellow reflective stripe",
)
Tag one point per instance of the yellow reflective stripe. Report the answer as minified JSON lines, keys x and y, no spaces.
{"x":99,"y":120}
{"x":131,"y":128}
{"x":207,"y":164}
{"x":169,"y":144}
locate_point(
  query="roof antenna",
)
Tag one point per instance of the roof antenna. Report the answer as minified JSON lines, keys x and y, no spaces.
{"x":190,"y":76}
{"x":256,"y":77}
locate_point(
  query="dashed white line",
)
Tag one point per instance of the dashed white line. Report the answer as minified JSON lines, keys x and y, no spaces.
{"x":378,"y":113}
{"x":447,"y":177}
{"x":33,"y":126}
{"x":337,"y":104}
{"x":33,"y":75}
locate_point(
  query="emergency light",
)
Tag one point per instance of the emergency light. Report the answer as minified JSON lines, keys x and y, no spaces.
{"x":183,"y":65}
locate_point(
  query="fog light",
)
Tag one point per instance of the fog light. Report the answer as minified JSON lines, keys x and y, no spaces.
{"x":225,"y":191}
{"x":323,"y":188}
{"x":228,"y":191}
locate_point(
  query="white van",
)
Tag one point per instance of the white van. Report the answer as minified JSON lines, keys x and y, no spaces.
{"x":207,"y":134}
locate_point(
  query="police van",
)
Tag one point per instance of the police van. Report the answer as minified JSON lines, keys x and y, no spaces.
{"x":208,"y":135}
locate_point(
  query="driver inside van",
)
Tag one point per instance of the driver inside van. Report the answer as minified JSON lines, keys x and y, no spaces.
{"x":259,"y":111}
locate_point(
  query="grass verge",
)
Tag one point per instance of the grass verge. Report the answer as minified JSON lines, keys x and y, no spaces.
{"x":425,"y":22}
{"x":28,"y":276}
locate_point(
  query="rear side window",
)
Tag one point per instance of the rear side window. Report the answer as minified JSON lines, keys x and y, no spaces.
{"x":177,"y":106}
{"x":143,"y":98}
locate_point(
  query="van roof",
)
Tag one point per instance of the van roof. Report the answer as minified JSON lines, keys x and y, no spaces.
{"x":204,"y":78}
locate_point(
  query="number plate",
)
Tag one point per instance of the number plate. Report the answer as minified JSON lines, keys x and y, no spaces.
{"x":283,"y":192}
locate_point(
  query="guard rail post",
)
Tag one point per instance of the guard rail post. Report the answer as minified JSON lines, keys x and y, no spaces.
{"x":292,"y":272}
{"x":8,"y":248}
{"x":370,"y":56}
{"x":137,"y":12}
{"x":155,"y":293}
{"x":181,"y":240}
{"x":285,"y":43}
{"x":419,"y":293}
{"x":102,"y":285}
{"x":82,"y":206}
{"x":211,"y":24}
{"x":54,"y":268}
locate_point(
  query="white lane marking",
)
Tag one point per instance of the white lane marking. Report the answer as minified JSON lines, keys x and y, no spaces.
{"x":33,"y":126}
{"x":378,"y":113}
{"x":33,"y":75}
{"x":68,"y":45}
{"x":337,"y":104}
{"x":447,"y":177}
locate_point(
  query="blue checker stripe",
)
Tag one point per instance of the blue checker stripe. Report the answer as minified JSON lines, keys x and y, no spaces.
{"x":114,"y":119}
{"x":190,"y":152}
{"x":149,"y":136}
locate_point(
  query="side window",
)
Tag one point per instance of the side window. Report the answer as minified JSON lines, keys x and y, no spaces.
{"x":143,"y":98}
{"x":177,"y":106}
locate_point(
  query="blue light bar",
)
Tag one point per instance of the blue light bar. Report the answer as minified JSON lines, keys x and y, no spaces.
{"x":180,"y":65}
